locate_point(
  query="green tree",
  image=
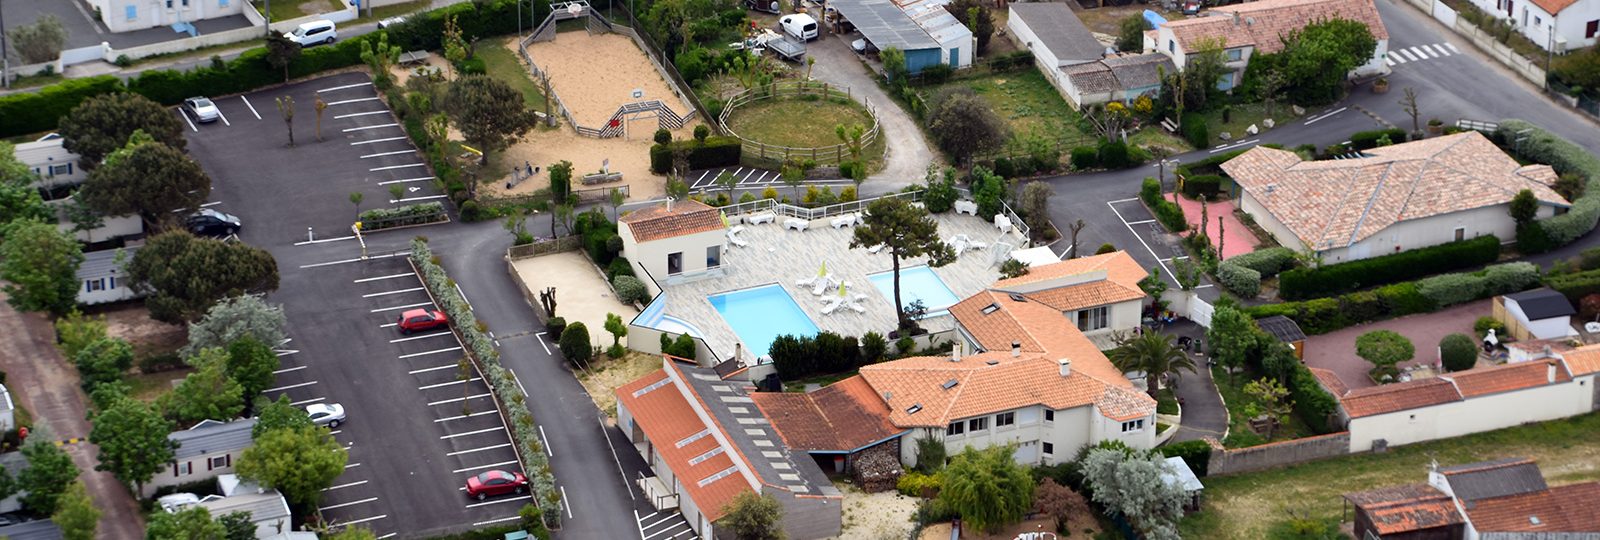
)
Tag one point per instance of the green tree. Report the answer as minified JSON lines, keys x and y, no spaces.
{"x":987,"y":488}
{"x":359,"y":532}
{"x":75,"y":331}
{"x":102,"y":124}
{"x":1318,"y":57}
{"x":894,"y":66}
{"x":150,"y":179}
{"x":1059,"y":502}
{"x":49,"y":472}
{"x":281,"y":52}
{"x":378,"y":57}
{"x":906,"y":232}
{"x":8,"y":483}
{"x":193,"y":523}
{"x":238,"y":526}
{"x":19,"y":200}
{"x":1133,"y":485}
{"x":76,"y":514}
{"x":299,"y":462}
{"x":102,"y":361}
{"x":979,"y":22}
{"x":235,"y":318}
{"x":185,"y":275}
{"x":455,"y":46}
{"x":750,"y":516}
{"x":1154,"y":354}
{"x":206,"y":393}
{"x":1458,"y":352}
{"x":963,"y":124}
{"x":1130,"y":33}
{"x":1202,"y":71}
{"x":616,"y":327}
{"x":133,"y":443}
{"x":40,"y":41}
{"x":1384,"y":349}
{"x":84,"y":218}
{"x":251,"y":363}
{"x":489,"y":112}
{"x":1036,"y":205}
{"x":574,"y":343}
{"x":853,"y":139}
{"x":1231,"y":336}
{"x":1524,"y":207}
{"x":278,"y":415}
{"x":1270,"y":399}
{"x":40,"y":266}
{"x":560,"y":181}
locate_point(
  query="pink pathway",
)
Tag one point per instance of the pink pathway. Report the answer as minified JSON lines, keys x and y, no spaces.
{"x":1240,"y":239}
{"x":1336,"y":351}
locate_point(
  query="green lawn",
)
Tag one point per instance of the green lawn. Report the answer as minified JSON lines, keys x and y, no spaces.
{"x":801,"y":123}
{"x":1244,"y":506}
{"x":1166,"y":403}
{"x":283,"y":10}
{"x":1239,"y":434}
{"x":1027,"y":102}
{"x":502,"y":63}
{"x":1241,"y":116}
{"x":383,"y":12}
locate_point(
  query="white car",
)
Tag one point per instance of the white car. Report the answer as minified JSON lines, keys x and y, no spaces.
{"x":314,"y":32}
{"x":177,"y":502}
{"x":326,"y":414}
{"x":799,"y":25}
{"x":391,"y":21}
{"x":202,"y":109}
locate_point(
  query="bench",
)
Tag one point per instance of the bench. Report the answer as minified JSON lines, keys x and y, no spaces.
{"x":600,"y":178}
{"x":413,"y":57}
{"x":796,"y":224}
{"x":967,"y":207}
{"x":763,"y":217}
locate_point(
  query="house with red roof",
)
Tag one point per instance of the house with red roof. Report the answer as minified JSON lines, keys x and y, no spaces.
{"x":1244,"y":30}
{"x":1504,"y":499}
{"x":1556,"y":25}
{"x":673,"y":241}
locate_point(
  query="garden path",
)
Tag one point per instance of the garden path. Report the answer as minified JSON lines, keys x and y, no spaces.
{"x":907,"y":153}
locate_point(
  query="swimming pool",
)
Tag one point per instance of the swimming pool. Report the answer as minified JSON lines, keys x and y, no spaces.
{"x":759,"y":315}
{"x":917,"y":283}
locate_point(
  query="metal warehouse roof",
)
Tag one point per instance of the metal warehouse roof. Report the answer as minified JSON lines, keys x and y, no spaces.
{"x":885,"y":25}
{"x":1060,"y":31}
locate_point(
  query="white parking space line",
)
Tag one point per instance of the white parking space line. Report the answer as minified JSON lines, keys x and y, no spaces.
{"x":362,"y":128}
{"x":469,"y":469}
{"x":490,"y":522}
{"x":391,"y":167}
{"x":1141,"y":238}
{"x":475,"y":450}
{"x":358,"y":114}
{"x":513,"y":499}
{"x":451,"y":383}
{"x":351,"y":503}
{"x":540,"y":336}
{"x":349,"y":101}
{"x":392,"y":535}
{"x":1325,"y":116}
{"x":398,"y":340}
{"x":186,"y":120}
{"x":363,"y":520}
{"x":306,"y":402}
{"x":395,"y":153}
{"x":405,"y":180}
{"x":252,"y":107}
{"x":545,"y":442}
{"x":380,"y":278}
{"x":435,"y":368}
{"x":356,"y":483}
{"x":409,"y":199}
{"x":459,"y":399}
{"x":564,"y":503}
{"x":282,"y":388}
{"x":380,"y":310}
{"x":388,"y":325}
{"x":480,"y":413}
{"x":474,"y":433}
{"x":370,"y":141}
{"x":1142,"y":222}
{"x":325,"y":240}
{"x":348,"y":261}
{"x":357,"y":85}
{"x":286,"y":370}
{"x":414,"y":355}
{"x":748,"y":174}
{"x":224,"y":117}
{"x":351,"y":465}
{"x":387,"y":293}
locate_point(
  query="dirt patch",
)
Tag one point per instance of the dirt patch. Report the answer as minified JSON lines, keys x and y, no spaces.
{"x":540,"y":148}
{"x":582,"y":294}
{"x":877,"y":516}
{"x":148,"y":336}
{"x":596,"y":74}
{"x":605,"y":375}
{"x":941,"y":531}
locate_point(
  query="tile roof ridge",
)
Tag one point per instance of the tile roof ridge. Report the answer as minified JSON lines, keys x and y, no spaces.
{"x":1372,"y":200}
{"x":1327,"y":226}
{"x":1488,"y":465}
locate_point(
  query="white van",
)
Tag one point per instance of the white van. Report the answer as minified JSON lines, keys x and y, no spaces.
{"x":314,"y":32}
{"x":799,"y":25}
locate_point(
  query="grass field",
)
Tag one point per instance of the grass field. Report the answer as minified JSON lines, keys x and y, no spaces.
{"x":1244,"y":506}
{"x":283,"y":10}
{"x":606,"y":374}
{"x":1241,"y":116}
{"x":501,"y":62}
{"x":1027,"y":102}
{"x":796,"y":123}
{"x":1239,"y":434}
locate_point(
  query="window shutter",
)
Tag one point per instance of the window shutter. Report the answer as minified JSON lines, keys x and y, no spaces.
{"x":174,"y":469}
{"x":208,"y":464}
{"x":228,"y":459}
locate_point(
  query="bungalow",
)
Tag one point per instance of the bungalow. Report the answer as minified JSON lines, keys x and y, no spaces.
{"x":1390,"y":198}
{"x":42,"y":529}
{"x":666,"y":242}
{"x":268,"y":510}
{"x":1556,"y":25}
{"x":101,"y":275}
{"x":204,"y":451}
{"x":1076,"y":63}
{"x":1243,"y":30}
{"x":50,"y":160}
{"x":1539,"y":314}
{"x":130,"y":15}
{"x":1504,"y":499}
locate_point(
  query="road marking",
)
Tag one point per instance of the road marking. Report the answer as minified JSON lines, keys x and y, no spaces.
{"x":475,"y":433}
{"x":351,"y":503}
{"x":363,"y":128}
{"x":388,"y":325}
{"x":467,"y":469}
{"x":1439,"y":49}
{"x":1410,"y":56}
{"x":492,"y":521}
{"x":186,"y":120}
{"x":463,"y":293}
{"x":513,"y":499}
{"x":252,"y":107}
{"x":409,"y":199}
{"x":1325,"y":116}
{"x":392,"y":535}
{"x":474,"y":450}
{"x":358,"y":114}
{"x":379,"y":310}
{"x":224,"y":117}
{"x":414,"y":355}
{"x":398,"y":340}
{"x":1120,"y":201}
{"x":380,"y":278}
{"x":564,"y":501}
{"x":356,"y":483}
{"x":1390,"y":61}
{"x":357,"y":85}
{"x":1395,"y":56}
{"x":453,"y":400}
{"x":387,"y":293}
{"x":464,"y":415}
{"x":351,"y":465}
{"x":325,"y":240}
{"x":444,"y":384}
{"x":363,"y":520}
{"x":210,"y":204}
{"x":540,"y":336}
{"x":1140,"y":237}
{"x":1142,"y":222}
{"x":1430,"y":51}
{"x":286,"y":352}
{"x":546,"y":440}
{"x":402,"y":181}
{"x":614,"y":459}
{"x":1452,"y":47}
{"x":370,"y":141}
{"x":286,"y":370}
{"x":425,"y":370}
{"x":638,"y":525}
{"x":381,"y":154}
{"x":349,"y":101}
{"x":347,"y":261}
{"x":282,"y":388}
{"x":306,"y":402}
{"x":1227,"y":147}
{"x":376,"y":169}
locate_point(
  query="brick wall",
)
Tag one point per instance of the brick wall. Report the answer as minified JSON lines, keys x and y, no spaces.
{"x":1256,"y":458}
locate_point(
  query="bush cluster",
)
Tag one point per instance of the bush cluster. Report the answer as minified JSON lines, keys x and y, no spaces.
{"x":681,"y":347}
{"x":1362,"y":140}
{"x":1196,"y":454}
{"x":1084,"y":157}
{"x":714,"y":152}
{"x":1302,"y":283}
{"x":1195,"y":130}
{"x":33,"y":112}
{"x":1205,"y":184}
{"x":1114,"y":155}
{"x":630,"y":289}
{"x":400,"y":216}
{"x":799,"y":356}
{"x":1576,"y":285}
{"x":1167,"y":212}
{"x":1268,"y":262}
{"x":1534,"y":144}
{"x":1323,"y":315}
{"x":916,"y":484}
{"x":1210,"y":165}
{"x":1240,"y":280}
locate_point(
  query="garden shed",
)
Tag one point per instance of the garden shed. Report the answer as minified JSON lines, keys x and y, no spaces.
{"x":1287,"y":331}
{"x":927,"y":33}
{"x":1537,"y":314}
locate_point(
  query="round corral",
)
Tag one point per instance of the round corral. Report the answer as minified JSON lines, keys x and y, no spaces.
{"x":596,"y":74}
{"x":799,"y":120}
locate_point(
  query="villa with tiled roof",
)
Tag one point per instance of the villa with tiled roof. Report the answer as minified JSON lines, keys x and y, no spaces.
{"x":673,"y":240}
{"x":1243,"y":30}
{"x":1559,"y":25}
{"x":1503,"y":499}
{"x":1390,"y":198}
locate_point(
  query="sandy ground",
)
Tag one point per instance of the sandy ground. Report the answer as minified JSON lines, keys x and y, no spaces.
{"x":132,"y":322}
{"x":629,"y":156}
{"x":581,"y":292}
{"x":606,"y":375}
{"x":941,"y":531}
{"x":596,"y":74}
{"x":876,"y":516}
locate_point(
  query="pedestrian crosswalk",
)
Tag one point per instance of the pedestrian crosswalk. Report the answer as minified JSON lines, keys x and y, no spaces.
{"x":1420,"y":53}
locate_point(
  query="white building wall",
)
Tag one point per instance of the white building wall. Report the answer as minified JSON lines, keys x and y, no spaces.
{"x":1120,"y":317}
{"x":153,"y":13}
{"x":652,"y":255}
{"x":1432,"y":231}
{"x":1269,"y":222}
{"x":1572,"y":22}
{"x":1551,"y":328}
{"x":1483,"y":413}
{"x":1377,"y":65}
{"x":1025,"y":36}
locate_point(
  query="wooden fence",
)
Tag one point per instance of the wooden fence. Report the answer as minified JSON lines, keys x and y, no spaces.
{"x":835,"y":153}
{"x":545,"y":247}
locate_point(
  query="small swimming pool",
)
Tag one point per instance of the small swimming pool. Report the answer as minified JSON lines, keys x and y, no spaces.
{"x":917,"y":283}
{"x":761,"y":314}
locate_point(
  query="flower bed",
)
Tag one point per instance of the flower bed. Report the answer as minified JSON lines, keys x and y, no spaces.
{"x":379,"y":219}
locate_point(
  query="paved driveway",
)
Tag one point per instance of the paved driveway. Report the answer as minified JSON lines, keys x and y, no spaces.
{"x":1336,"y":351}
{"x":908,"y":151}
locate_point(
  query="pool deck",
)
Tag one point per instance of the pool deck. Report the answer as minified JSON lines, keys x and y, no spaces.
{"x":778,"y":255}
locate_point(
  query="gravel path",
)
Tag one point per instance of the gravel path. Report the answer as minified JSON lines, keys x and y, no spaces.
{"x":907,"y":152}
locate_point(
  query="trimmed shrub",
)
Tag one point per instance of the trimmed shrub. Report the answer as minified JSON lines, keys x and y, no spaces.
{"x":1084,"y":157}
{"x":1575,"y":286}
{"x":1404,"y":299}
{"x":714,"y":152}
{"x":1458,"y":352}
{"x":916,"y":484}
{"x":663,"y":136}
{"x":1167,"y":212}
{"x":1196,"y":454}
{"x":555,"y":325}
{"x":1195,"y":130}
{"x":1509,"y":278}
{"x":1362,"y":140}
{"x":400,"y":216}
{"x":1312,"y":403}
{"x":618,"y":267}
{"x":1483,"y":325}
{"x":1205,"y":184}
{"x":1002,"y":167}
{"x":1589,"y":259}
{"x":33,"y":112}
{"x":1540,"y":146}
{"x":1210,"y":165}
{"x":1114,"y":155}
{"x":630,"y":289}
{"x":1105,"y":248}
{"x":1304,"y":283}
{"x":1268,"y":261}
{"x":1239,"y":280}
{"x":574,"y":343}
{"x":1450,"y":289}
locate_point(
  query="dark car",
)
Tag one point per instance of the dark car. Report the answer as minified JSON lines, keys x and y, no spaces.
{"x":496,"y":483}
{"x":208,"y":222}
{"x":418,"y":320}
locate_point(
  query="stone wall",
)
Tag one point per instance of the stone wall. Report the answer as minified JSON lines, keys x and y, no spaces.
{"x":1256,"y":458}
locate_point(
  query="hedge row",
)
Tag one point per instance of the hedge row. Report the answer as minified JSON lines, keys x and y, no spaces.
{"x":1167,"y":212}
{"x":33,"y":112}
{"x":1210,"y":165}
{"x":1240,"y":280}
{"x":714,"y":152}
{"x":1196,"y":454}
{"x":1362,"y":140}
{"x":1268,"y":261}
{"x":1205,"y":184}
{"x":1540,"y":146}
{"x":1315,"y":406}
{"x":378,"y":219}
{"x":1302,"y":283}
{"x":1577,"y":285}
{"x":1324,"y":315}
{"x":525,"y":431}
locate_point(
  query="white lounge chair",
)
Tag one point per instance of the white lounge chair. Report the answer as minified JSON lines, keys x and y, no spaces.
{"x":1003,"y":223}
{"x":831,"y":304}
{"x":823,"y":285}
{"x":958,"y":243}
{"x":846,"y":220}
{"x":967,"y":207}
{"x":734,"y":239}
{"x":763,"y":217}
{"x":736,"y":229}
{"x":806,"y":282}
{"x":796,"y":224}
{"x":857,"y":297}
{"x":856,"y":307}
{"x":975,"y":245}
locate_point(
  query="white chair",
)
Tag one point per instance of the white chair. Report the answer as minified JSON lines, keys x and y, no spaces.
{"x":823,"y":285}
{"x":856,"y":307}
{"x":831,"y":304}
{"x":875,"y":249}
{"x":958,"y":243}
{"x":736,"y":229}
{"x":806,"y":282}
{"x":796,"y":224}
{"x":857,"y":297}
{"x":1003,"y":223}
{"x":735,"y":240}
{"x":763,"y":217}
{"x":975,"y":245}
{"x":967,"y":207}
{"x":843,"y":221}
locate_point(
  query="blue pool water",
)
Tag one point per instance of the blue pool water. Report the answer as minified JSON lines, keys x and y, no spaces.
{"x":917,"y":283}
{"x":761,"y":314}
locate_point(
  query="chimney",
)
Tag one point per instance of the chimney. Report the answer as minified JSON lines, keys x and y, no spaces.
{"x":1016,"y":349}
{"x":1550,"y":372}
{"x":1066,"y":366}
{"x":1236,"y":19}
{"x":955,"y":353}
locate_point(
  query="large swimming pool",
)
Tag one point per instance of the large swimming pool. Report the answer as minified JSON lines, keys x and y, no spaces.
{"x":761,"y":314}
{"x":917,"y":283}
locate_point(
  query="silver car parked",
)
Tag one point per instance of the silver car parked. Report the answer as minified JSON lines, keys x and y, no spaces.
{"x":203,"y":110}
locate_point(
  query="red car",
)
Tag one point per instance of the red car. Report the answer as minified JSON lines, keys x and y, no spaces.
{"x":496,"y":483}
{"x":417,"y":320}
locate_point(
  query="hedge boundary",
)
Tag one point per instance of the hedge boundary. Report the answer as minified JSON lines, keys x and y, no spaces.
{"x":1540,"y":146}
{"x":1167,"y":212}
{"x":1323,"y":315}
{"x":1303,"y":283}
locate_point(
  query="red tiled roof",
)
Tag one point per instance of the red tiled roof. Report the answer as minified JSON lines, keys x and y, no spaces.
{"x":1265,"y":24}
{"x":841,"y":417}
{"x":1493,"y":380}
{"x":1583,"y":360}
{"x":1554,"y":7}
{"x":982,"y":388}
{"x":1571,"y":508}
{"x":668,"y":420}
{"x":1390,"y":398}
{"x":1406,"y":508}
{"x":1330,"y":381}
{"x":684,"y":218}
{"x":1120,"y":269}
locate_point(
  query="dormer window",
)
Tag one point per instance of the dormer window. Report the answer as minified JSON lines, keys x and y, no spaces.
{"x":991,"y":308}
{"x":914,"y":408}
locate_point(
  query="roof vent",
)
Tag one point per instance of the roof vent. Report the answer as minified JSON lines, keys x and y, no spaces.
{"x":1534,"y":520}
{"x":914,"y":408}
{"x":1249,"y":21}
{"x":991,"y":308}
{"x":888,"y":396}
{"x":950,"y":384}
{"x":1271,"y":188}
{"x":1018,"y":297}
{"x":1016,"y":349}
{"x":992,"y":362}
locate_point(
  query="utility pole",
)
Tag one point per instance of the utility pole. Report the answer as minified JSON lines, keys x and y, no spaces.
{"x":5,"y":59}
{"x":1549,"y":53}
{"x":269,"y":18}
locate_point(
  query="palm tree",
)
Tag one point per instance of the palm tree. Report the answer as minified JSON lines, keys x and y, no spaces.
{"x":1152,"y":353}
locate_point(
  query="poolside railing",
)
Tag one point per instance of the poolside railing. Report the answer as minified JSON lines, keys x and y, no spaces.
{"x":821,"y":212}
